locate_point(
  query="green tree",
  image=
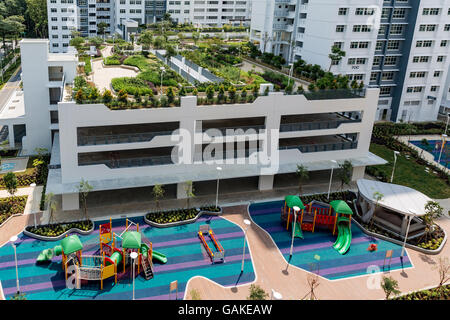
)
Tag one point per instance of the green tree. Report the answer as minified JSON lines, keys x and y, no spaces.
{"x":10,"y":181}
{"x":107,"y":96}
{"x":195,"y":37}
{"x":232,"y":93}
{"x":389,"y":286}
{"x":170,"y":95}
{"x":433,"y":210}
{"x":345,"y":173}
{"x":37,"y":11}
{"x":83,"y":189}
{"x":170,"y":52}
{"x":302,"y":174}
{"x":158,"y":194}
{"x":146,"y":38}
{"x":378,"y":196}
{"x":210,"y":92}
{"x":101,"y":28}
{"x":336,"y":55}
{"x":221,"y":93}
{"x":96,"y":41}
{"x":257,"y":293}
{"x":77,"y":42}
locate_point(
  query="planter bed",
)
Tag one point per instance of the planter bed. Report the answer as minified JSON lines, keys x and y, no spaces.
{"x":191,"y":216}
{"x":64,"y":228}
{"x":12,"y":206}
{"x":430,"y":294}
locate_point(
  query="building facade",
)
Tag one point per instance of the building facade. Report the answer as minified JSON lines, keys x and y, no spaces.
{"x":210,"y":12}
{"x":399,"y":46}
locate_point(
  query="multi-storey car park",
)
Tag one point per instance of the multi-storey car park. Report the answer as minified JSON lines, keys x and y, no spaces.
{"x":400,"y":46}
{"x":119,"y":149}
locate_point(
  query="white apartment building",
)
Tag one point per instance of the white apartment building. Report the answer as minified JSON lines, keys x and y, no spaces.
{"x":210,"y":12}
{"x":65,"y":16}
{"x":118,"y":150}
{"x":400,"y":46}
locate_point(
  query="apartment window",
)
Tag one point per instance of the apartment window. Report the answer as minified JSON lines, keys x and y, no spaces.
{"x":385,"y":90}
{"x":359,"y":45}
{"x":340,"y":28}
{"x":424,"y":43}
{"x":434,"y":88}
{"x":361,"y":28}
{"x":437,"y":74}
{"x":430,"y":11}
{"x":390,"y":60}
{"x":385,"y":13}
{"x":364,"y":11}
{"x":417,"y":74}
{"x":421,"y":59}
{"x":444,"y":43}
{"x":427,"y":27}
{"x":414,"y":89}
{"x":53,"y":10}
{"x":440,"y":59}
{"x":376,"y":60}
{"x":342,"y":11}
{"x":396,"y":29}
{"x":399,"y":13}
{"x":386,"y":76}
{"x":357,"y":61}
{"x":379,"y":45}
{"x":393,"y":45}
{"x":373,"y":76}
{"x":338,"y":44}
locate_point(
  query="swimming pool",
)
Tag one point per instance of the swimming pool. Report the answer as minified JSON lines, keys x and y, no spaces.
{"x":434,"y":147}
{"x":8,"y":166}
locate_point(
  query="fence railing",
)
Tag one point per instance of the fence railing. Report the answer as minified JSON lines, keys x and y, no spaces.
{"x":131,"y":162}
{"x":120,"y":138}
{"x":314,"y":125}
{"x":321,"y":147}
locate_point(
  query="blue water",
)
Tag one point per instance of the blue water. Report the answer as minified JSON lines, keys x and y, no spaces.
{"x":8,"y":166}
{"x":434,"y":148}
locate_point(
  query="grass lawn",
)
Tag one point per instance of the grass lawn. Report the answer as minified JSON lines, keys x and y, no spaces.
{"x":411,"y":174}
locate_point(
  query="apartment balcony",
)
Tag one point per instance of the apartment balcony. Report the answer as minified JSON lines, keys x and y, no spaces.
{"x":309,"y":122}
{"x":120,"y":138}
{"x":318,"y":144}
{"x":56,"y":77}
{"x":283,"y":27}
{"x":127,"y":158}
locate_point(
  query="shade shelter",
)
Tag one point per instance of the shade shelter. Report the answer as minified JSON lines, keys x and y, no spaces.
{"x":341,"y":208}
{"x":290,"y":202}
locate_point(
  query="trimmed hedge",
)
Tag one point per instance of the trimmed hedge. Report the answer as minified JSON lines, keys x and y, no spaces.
{"x":133,"y":86}
{"x":56,"y":229}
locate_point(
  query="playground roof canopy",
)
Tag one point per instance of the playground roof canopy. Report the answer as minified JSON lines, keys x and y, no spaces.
{"x":401,"y":199}
{"x":131,"y":240}
{"x":340,"y":206}
{"x":292,"y":201}
{"x":71,"y":244}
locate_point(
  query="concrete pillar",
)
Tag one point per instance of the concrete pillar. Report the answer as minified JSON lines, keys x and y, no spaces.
{"x":70,"y":201}
{"x":12,"y":144}
{"x":265,"y":182}
{"x":181,"y":190}
{"x":358,"y":173}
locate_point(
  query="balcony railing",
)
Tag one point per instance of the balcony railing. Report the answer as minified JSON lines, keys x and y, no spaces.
{"x":223,"y":130}
{"x":131,"y":162}
{"x":315,"y":125}
{"x":335,"y":94}
{"x":321,"y":147}
{"x":227,"y":155}
{"x":120,"y":138}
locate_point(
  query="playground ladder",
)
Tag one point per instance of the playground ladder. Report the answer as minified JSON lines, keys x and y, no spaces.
{"x":147,"y":266}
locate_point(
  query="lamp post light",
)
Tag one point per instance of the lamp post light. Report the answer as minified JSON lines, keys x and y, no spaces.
{"x":276,"y":295}
{"x":12,"y":240}
{"x":446,"y":126}
{"x":395,"y":161}
{"x":247,"y":225}
{"x":331,"y":178}
{"x":444,"y":139}
{"x":219,"y":169}
{"x":162,"y":72}
{"x":296,"y":210}
{"x":133,"y":256}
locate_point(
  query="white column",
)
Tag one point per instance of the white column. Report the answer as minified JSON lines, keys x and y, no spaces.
{"x":265,"y":182}
{"x":181,"y":190}
{"x":70,"y":201}
{"x":11,"y":136}
{"x":358,"y":173}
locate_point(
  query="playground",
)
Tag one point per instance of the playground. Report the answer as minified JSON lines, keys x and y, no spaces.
{"x":325,"y":240}
{"x":94,"y":263}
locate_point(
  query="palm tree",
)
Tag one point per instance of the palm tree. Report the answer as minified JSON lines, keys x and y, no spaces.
{"x":389,"y":286}
{"x":378,"y":196}
{"x":302,"y":174}
{"x":83,"y":189}
{"x":51,"y":205}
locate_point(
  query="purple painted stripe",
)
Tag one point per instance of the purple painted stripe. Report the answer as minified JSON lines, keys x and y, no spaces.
{"x":319,"y":245}
{"x":61,"y":283}
{"x":157,"y":245}
{"x":357,"y":266}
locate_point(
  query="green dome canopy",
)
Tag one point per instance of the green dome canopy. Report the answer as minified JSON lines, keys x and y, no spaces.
{"x":340,"y":206}
{"x":71,"y":244}
{"x":131,"y":240}
{"x":292,"y":201}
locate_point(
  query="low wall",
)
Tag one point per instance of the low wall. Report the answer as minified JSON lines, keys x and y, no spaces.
{"x":179,"y":223}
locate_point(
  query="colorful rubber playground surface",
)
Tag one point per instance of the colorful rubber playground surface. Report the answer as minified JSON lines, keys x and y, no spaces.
{"x":186,"y":255}
{"x":332,"y":265}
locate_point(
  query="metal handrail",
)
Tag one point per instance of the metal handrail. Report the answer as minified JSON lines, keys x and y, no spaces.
{"x":314,"y":125}
{"x":321,"y":147}
{"x":131,"y":162}
{"x":120,"y":138}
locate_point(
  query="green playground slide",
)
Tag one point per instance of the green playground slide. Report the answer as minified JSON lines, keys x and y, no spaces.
{"x":298,"y":231}
{"x":48,"y":254}
{"x":155,"y":255}
{"x":344,"y":238}
{"x":116,"y":257}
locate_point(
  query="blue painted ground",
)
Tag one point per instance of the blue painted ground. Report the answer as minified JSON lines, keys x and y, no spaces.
{"x":332,"y":265}
{"x":186,"y":258}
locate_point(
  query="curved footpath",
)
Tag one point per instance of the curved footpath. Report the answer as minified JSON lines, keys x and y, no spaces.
{"x":270,"y":271}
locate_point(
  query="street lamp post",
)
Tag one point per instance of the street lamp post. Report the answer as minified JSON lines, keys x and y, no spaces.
{"x":217,"y":187}
{"x":162,"y":72}
{"x":331,"y":178}
{"x":290,"y":73}
{"x":444,"y":139}
{"x":133,"y":256}
{"x":247,"y":225}
{"x":446,"y":126}
{"x":409,"y":217}
{"x":395,"y":161}
{"x":12,"y":240}
{"x":296,"y":210}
